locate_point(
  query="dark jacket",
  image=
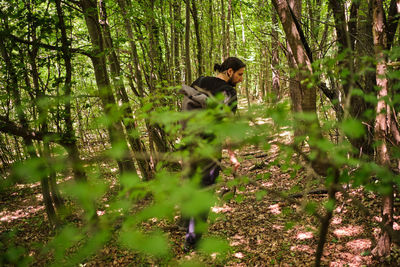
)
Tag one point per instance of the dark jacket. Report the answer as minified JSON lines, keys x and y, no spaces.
{"x":216,"y":86}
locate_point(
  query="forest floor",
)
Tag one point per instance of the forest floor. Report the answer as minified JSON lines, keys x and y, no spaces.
{"x":262,"y":228}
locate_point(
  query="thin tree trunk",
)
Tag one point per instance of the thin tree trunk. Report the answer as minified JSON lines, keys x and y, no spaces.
{"x":383,"y":116}
{"x":24,"y":122}
{"x":211,"y":29}
{"x":227,"y":32}
{"x":303,"y":62}
{"x":115,"y":68}
{"x":70,"y":138}
{"x":168,"y":65}
{"x":156,"y":133}
{"x":244,"y":45}
{"x":223,"y":34}
{"x":115,"y":130}
{"x":188,"y":69}
{"x":177,"y":38}
{"x":267,"y":84}
{"x":200,"y":67}
{"x":133,"y":51}
{"x":276,"y":79}
{"x":39,"y":97}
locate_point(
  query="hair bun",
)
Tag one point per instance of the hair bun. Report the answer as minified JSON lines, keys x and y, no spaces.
{"x":217,"y":67}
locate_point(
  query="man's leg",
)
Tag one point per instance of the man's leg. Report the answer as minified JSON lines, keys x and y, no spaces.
{"x":210,"y":173}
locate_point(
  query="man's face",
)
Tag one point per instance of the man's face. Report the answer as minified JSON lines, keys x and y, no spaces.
{"x":235,"y":77}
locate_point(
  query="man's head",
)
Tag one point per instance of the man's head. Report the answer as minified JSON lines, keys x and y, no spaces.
{"x":231,"y":70}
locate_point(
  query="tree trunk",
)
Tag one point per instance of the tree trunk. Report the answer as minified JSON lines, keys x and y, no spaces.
{"x":51,"y":214}
{"x":200,"y":67}
{"x":246,"y":86}
{"x":133,"y":48}
{"x":188,"y":69}
{"x":383,"y":116}
{"x":211,"y":29}
{"x":227,"y":32}
{"x":223,"y":33}
{"x":115,"y":130}
{"x":70,"y":138}
{"x":302,"y":61}
{"x":276,"y":79}
{"x":177,"y":37}
{"x":138,"y":149}
{"x":157,"y":135}
{"x":43,"y":115}
{"x":168,"y":65}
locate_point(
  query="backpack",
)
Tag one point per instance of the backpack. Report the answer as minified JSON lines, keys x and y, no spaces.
{"x":194,"y":97}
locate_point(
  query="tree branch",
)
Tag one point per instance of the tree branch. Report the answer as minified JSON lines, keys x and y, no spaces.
{"x":7,"y":126}
{"x":47,"y":46}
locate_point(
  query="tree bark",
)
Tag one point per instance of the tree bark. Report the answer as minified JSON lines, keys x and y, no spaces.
{"x":276,"y":79}
{"x":302,"y":61}
{"x":223,"y":33}
{"x":115,"y":69}
{"x":200,"y":67}
{"x":188,"y":69}
{"x":115,"y":130}
{"x":133,"y":49}
{"x":227,"y":32}
{"x":382,"y":121}
{"x":211,"y":29}
{"x":44,"y":181}
{"x":246,"y":86}
{"x":177,"y":37}
{"x":42,"y":121}
{"x":70,"y":138}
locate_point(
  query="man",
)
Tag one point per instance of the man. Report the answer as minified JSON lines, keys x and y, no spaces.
{"x":230,"y":73}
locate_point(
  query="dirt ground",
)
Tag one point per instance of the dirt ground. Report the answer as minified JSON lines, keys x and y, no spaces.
{"x":262,"y":229}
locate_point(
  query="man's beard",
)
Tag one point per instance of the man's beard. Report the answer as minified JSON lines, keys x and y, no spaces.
{"x":230,"y":82}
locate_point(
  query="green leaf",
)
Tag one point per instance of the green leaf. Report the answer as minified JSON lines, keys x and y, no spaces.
{"x":311,"y":207}
{"x":197,"y":203}
{"x":353,"y":128}
{"x":239,"y":198}
{"x":330,"y":205}
{"x":153,"y":244}
{"x":260,"y":194}
{"x":289,"y":225}
{"x":212,"y":245}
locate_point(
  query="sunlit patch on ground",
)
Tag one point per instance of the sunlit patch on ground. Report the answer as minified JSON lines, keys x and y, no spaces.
{"x":238,"y":240}
{"x":267,"y":184}
{"x":350,"y":260}
{"x":304,"y":235}
{"x":277,"y":227}
{"x":336,"y":220}
{"x":359,"y":245}
{"x":39,"y":197}
{"x":33,"y":185}
{"x":8,"y":216}
{"x":303,"y":248}
{"x":238,"y":255}
{"x":350,"y":230}
{"x":378,"y":219}
{"x":223,"y":209}
{"x":275,"y":209}
{"x":260,"y":121}
{"x":100,"y":212}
